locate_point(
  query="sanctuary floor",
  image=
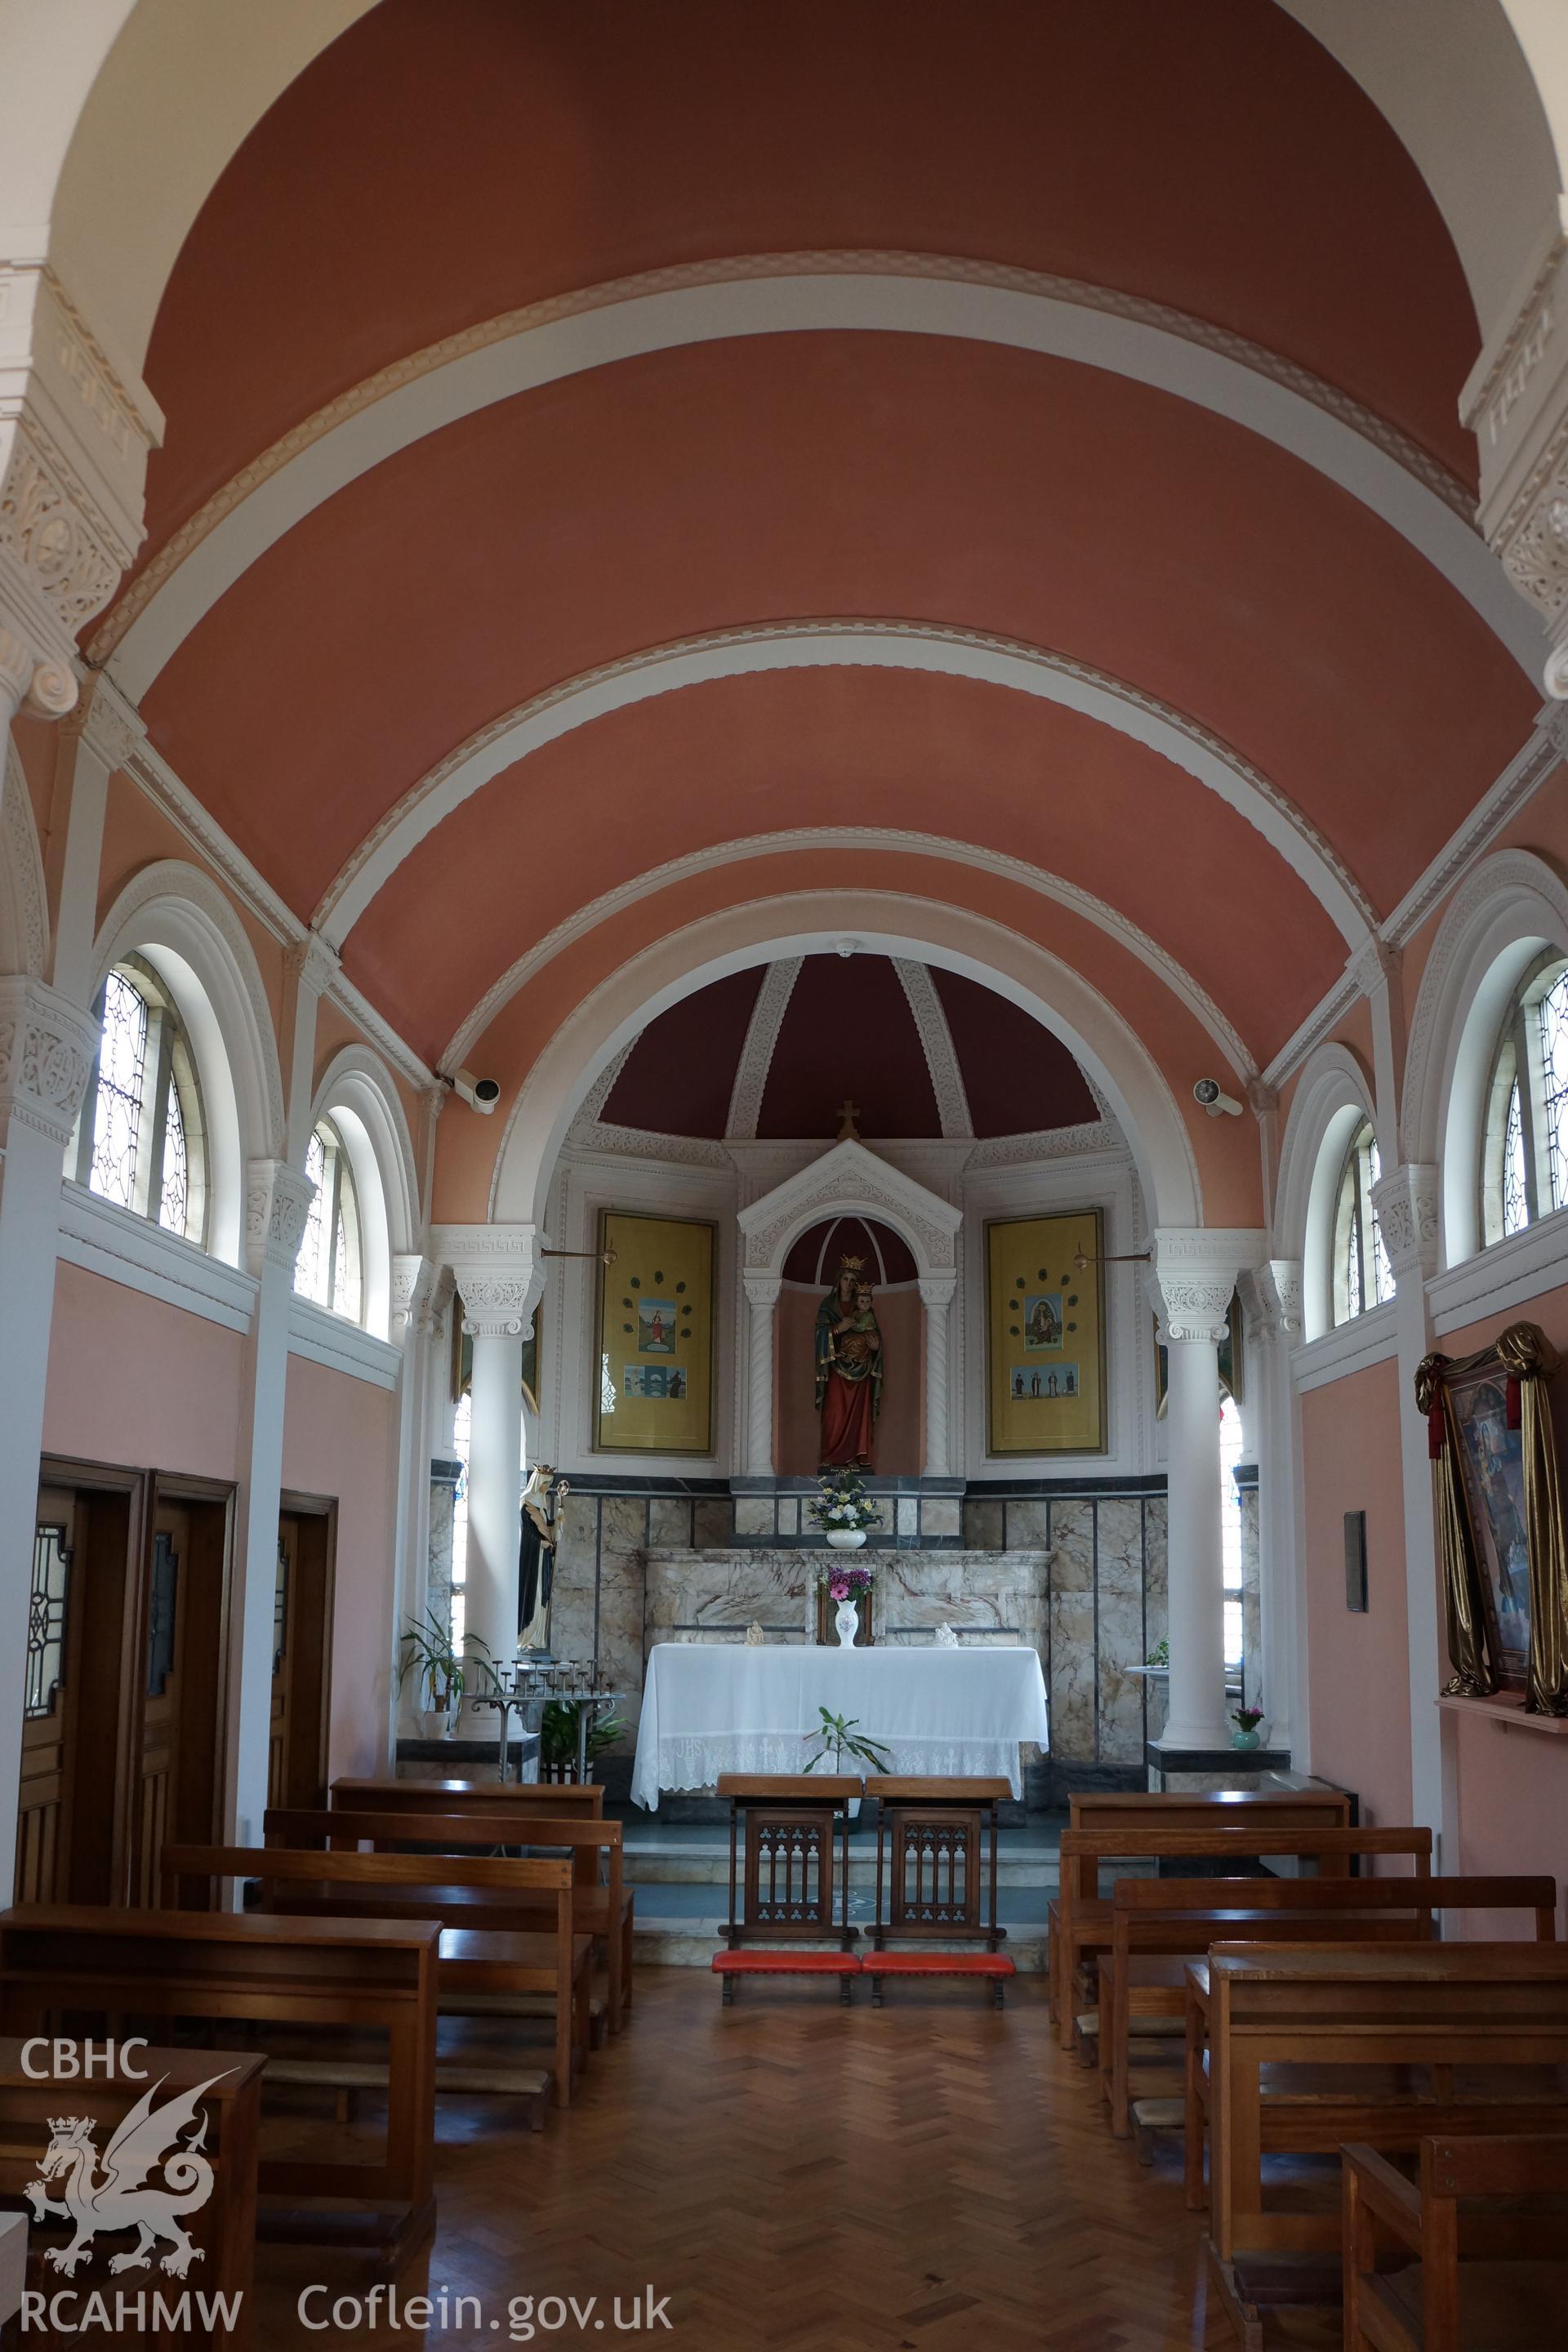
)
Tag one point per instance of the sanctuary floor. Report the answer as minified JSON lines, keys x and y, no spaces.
{"x":797,"y":2178}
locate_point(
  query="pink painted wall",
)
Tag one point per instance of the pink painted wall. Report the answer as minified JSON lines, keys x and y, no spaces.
{"x":897,"y":1444}
{"x":136,"y":1381}
{"x":1359,"y":1671}
{"x":339,"y":1438}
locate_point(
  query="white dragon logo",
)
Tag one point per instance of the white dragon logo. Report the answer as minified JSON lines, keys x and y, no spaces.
{"x":118,"y":2200}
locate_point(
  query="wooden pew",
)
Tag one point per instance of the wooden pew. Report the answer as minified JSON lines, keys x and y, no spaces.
{"x":504,"y":1800}
{"x":1081,"y":1919}
{"x":601,"y":1909}
{"x":222,"y":2230}
{"x":1182,"y":1917}
{"x":1446,"y":2299}
{"x":348,"y":1973}
{"x":474,"y":1898}
{"x":1360,"y":2016}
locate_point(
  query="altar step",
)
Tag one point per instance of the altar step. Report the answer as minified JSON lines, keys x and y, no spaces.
{"x":681,"y":1874}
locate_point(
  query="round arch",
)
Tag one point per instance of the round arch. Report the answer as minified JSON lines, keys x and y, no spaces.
{"x":1334,"y":1099}
{"x":179,"y":920}
{"x":1514,"y":907}
{"x":814,"y":922}
{"x":357,"y":1095}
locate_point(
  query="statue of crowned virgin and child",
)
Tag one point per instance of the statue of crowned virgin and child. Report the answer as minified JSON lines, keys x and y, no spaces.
{"x":848,"y":1368}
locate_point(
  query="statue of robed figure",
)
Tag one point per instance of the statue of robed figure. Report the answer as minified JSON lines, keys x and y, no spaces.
{"x":848,"y":1368}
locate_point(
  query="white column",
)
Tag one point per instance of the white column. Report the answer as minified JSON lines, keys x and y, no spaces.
{"x":100,"y":735}
{"x":1271,"y":1300}
{"x":277,"y":1198}
{"x":1193,"y":1276}
{"x":413,"y":1290}
{"x":936,"y":1299}
{"x":45,"y":1053}
{"x":500,"y":1281}
{"x":1406,"y":1206}
{"x":762,"y":1298}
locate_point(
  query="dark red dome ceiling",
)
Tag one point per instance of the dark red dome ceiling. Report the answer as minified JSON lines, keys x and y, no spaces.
{"x":849,"y":1032}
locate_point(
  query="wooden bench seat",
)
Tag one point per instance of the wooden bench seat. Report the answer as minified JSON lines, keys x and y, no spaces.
{"x":603,"y":1909}
{"x":221,"y":1967}
{"x":1178,"y":1918}
{"x":1401,"y":2042}
{"x":502,"y":1800}
{"x":1081,"y":1918}
{"x":1491,"y":2265}
{"x":497,"y":1957}
{"x":529,"y":2085}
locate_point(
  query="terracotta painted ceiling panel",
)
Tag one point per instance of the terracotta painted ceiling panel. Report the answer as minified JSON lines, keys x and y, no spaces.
{"x":825,"y":474}
{"x":449,"y":160}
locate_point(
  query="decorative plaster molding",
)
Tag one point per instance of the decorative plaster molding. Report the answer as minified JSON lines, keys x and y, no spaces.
{"x":1192,"y":1276}
{"x":853,"y":841}
{"x":47,"y":1048}
{"x":1094,"y":1138}
{"x":1406,"y":1203}
{"x":498,"y":1276}
{"x":23,"y":867}
{"x":645,"y":1143}
{"x":107,"y":723}
{"x":1271,"y":1301}
{"x":277,"y":1202}
{"x":937,"y":1046}
{"x":56,"y":546}
{"x":757,"y":1052}
{"x":638,"y":290}
{"x":591,"y":1108}
{"x":850,"y":1176}
{"x":762,"y":1289}
{"x":413,"y":1280}
{"x":313,"y":964}
{"x":1539,"y":758}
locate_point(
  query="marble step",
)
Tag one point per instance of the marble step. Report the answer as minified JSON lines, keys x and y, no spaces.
{"x":705,"y":1863}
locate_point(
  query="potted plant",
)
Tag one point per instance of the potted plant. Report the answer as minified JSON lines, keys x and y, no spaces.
{"x":847,"y":1585}
{"x":558,"y":1732}
{"x":837,"y":1738}
{"x":842,"y":1510}
{"x":442,"y":1672}
{"x":1247,"y":1720}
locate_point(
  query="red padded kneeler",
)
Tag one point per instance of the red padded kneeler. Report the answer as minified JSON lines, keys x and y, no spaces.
{"x":992,"y":1968}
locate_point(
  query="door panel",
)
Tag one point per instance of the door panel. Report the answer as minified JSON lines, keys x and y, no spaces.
{"x":302,"y":1662}
{"x":42,"y":1851}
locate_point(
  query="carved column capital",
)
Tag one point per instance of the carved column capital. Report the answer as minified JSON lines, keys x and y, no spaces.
{"x":107,"y":723}
{"x":47,"y":1045}
{"x":937,"y":1291}
{"x":1271,"y":1296}
{"x":1406,"y":1205}
{"x":311,"y":962}
{"x":1192,"y":1273}
{"x":413,"y":1280}
{"x":277,"y":1202}
{"x":497,"y":1272}
{"x":762,"y":1289}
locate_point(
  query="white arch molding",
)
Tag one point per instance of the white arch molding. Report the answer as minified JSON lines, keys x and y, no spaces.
{"x":179,"y":919}
{"x":760,"y":294}
{"x":357,"y":1095}
{"x":810,"y":923}
{"x":1334,"y":1097}
{"x":23,"y":894}
{"x":1512,"y":907}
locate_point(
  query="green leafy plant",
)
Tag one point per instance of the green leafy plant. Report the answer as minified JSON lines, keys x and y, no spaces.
{"x":1249,"y":1718}
{"x":558,"y":1733}
{"x":838,"y":1740}
{"x":841,"y":1502}
{"x":442,"y":1672}
{"x":1160,"y":1656}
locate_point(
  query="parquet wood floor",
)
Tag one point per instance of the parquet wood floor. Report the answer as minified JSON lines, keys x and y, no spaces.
{"x":797,"y":2178}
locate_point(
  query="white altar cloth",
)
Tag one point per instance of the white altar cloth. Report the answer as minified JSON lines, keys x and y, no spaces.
{"x":711,"y":1708}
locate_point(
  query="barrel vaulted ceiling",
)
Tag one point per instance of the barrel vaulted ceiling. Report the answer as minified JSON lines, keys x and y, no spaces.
{"x":1005,"y":450}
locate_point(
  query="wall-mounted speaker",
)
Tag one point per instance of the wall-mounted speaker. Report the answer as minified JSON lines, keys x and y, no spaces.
{"x":1355,"y":1560}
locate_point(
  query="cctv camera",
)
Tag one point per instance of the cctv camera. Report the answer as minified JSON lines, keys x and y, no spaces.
{"x":1208,"y":1092}
{"x":481,"y":1094}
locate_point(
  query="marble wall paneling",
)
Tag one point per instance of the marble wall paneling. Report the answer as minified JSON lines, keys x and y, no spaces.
{"x":670,"y":1521}
{"x":1119,"y":1616}
{"x":1074,"y":1695}
{"x":984,"y":1523}
{"x":1251,"y":1609}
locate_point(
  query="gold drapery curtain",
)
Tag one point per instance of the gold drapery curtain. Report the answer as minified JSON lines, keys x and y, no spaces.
{"x":1459,"y":1571}
{"x":1530,"y":1359}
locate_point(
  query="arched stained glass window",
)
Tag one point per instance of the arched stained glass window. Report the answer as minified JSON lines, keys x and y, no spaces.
{"x":330,"y":1267}
{"x":1524,"y":1151}
{"x":1362,"y":1275}
{"x":141,"y":1139}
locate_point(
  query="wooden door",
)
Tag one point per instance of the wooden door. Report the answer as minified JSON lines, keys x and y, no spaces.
{"x":180,"y":1647}
{"x":70,"y":1844}
{"x":301,"y":1653}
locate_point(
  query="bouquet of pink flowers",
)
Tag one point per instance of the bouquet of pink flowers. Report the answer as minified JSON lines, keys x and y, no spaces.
{"x":845,"y":1582}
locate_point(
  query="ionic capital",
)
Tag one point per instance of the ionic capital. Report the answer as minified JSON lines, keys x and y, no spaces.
{"x":1192,"y":1273}
{"x":763,"y":1289}
{"x":499,"y":1275}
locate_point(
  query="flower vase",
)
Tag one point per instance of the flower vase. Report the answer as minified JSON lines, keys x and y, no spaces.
{"x":847,"y":1624}
{"x":1247,"y":1740}
{"x":847,"y":1539}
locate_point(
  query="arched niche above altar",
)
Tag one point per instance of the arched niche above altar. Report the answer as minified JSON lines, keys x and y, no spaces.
{"x":848,"y":1181}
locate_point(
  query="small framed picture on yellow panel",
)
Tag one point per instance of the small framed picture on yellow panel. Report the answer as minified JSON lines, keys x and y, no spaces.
{"x":1044,"y":1335}
{"x":654,"y":1374}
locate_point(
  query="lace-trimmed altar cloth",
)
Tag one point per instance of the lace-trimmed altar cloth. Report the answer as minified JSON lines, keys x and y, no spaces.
{"x":709,"y":1708}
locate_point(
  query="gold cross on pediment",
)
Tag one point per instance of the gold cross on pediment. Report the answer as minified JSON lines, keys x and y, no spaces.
{"x":848,"y":1112}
